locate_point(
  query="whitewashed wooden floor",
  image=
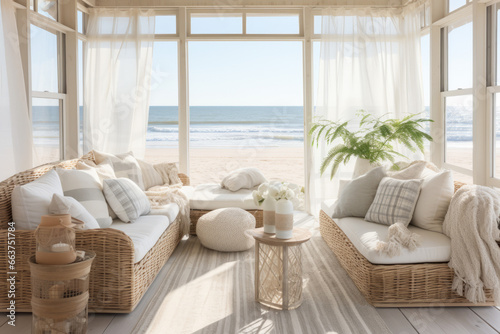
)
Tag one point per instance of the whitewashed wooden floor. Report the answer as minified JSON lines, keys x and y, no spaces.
{"x":459,"y":320}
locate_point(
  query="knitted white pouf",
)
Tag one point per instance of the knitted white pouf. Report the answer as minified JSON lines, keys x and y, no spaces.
{"x":224,"y":229}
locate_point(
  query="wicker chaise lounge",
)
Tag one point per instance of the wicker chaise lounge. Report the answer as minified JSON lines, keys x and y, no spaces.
{"x":394,"y":285}
{"x":117,"y":284}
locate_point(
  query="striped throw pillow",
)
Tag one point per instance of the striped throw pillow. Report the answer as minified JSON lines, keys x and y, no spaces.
{"x":85,"y":187}
{"x":124,"y":165}
{"x":126,"y":199}
{"x":394,"y":202}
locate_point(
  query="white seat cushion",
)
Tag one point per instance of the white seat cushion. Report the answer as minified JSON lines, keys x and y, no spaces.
{"x":434,"y":246}
{"x":212,"y":196}
{"x":144,"y":232}
{"x":171,"y":210}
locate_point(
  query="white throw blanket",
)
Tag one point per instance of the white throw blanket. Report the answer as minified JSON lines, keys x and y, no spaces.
{"x":398,"y":236}
{"x":170,"y":192}
{"x":472,"y":225}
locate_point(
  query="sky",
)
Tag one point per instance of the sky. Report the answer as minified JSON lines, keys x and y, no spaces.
{"x":250,"y":73}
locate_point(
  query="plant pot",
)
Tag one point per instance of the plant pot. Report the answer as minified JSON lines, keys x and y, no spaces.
{"x":363,"y":166}
{"x":268,"y":208}
{"x":284,"y":219}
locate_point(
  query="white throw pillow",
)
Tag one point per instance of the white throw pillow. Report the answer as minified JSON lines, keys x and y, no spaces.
{"x":126,"y":199}
{"x":411,"y":172}
{"x":395,"y":201}
{"x":85,"y":187}
{"x":243,"y":178}
{"x":432,"y":205}
{"x":68,"y":205}
{"x":150,"y":176}
{"x":358,"y":194}
{"x":104,"y":170}
{"x":31,"y":201}
{"x":124,"y":165}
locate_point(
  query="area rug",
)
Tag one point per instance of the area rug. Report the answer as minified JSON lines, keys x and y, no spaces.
{"x":204,"y":291}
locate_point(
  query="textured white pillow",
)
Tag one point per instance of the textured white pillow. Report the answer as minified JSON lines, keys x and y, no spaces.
{"x":432,"y":205}
{"x":68,"y":205}
{"x":243,"y":178}
{"x":124,"y":165}
{"x":104,"y":170}
{"x":126,"y":199}
{"x":411,"y":172}
{"x":31,"y":201}
{"x":150,"y":176}
{"x":358,"y":194}
{"x":86,"y":188}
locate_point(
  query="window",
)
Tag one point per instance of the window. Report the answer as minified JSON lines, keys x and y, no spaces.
{"x":246,"y":109}
{"x":82,"y":22}
{"x":216,"y":23}
{"x":457,"y":97}
{"x":426,"y":69}
{"x":46,"y":122}
{"x":162,"y":138}
{"x":455,"y":4}
{"x":317,"y":24}
{"x":165,"y":24}
{"x":47,"y":91}
{"x":273,"y":24}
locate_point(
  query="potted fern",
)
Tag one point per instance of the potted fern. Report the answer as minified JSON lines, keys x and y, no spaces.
{"x":372,"y":142}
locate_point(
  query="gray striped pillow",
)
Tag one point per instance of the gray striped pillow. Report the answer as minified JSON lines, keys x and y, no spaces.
{"x":126,"y":199}
{"x":394,"y":202}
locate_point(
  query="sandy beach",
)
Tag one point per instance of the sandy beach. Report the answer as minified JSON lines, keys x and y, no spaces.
{"x":210,"y":165}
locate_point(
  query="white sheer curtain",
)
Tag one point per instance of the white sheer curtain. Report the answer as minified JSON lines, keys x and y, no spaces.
{"x":117,"y":79}
{"x":370,"y":59}
{"x":16,"y":142}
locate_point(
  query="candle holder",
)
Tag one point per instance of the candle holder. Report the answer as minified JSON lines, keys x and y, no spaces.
{"x":55,"y":239}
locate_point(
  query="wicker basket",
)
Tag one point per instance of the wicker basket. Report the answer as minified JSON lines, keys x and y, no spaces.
{"x":60,"y":296}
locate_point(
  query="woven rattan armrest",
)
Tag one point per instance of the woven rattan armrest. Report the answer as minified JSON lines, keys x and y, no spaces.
{"x":113,"y":263}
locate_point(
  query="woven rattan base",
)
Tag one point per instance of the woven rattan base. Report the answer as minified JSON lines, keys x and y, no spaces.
{"x":397,"y":285}
{"x":196,"y":214}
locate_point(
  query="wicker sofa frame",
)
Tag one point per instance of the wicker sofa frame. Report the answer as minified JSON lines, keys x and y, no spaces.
{"x":395,"y":285}
{"x":117,"y":284}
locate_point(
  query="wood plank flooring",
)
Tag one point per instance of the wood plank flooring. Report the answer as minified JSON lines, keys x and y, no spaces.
{"x":459,"y":320}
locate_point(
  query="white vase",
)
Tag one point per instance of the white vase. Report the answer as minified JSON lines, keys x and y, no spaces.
{"x":284,"y":219}
{"x":268,"y":208}
{"x":363,"y":166}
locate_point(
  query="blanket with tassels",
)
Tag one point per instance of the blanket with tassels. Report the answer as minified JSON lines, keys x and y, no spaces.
{"x":472,"y":225}
{"x":170,"y":192}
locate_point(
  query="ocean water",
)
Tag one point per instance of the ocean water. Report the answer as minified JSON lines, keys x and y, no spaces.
{"x":238,"y":126}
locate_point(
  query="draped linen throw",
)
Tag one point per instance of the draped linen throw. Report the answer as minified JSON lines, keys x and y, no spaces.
{"x":369,"y":59}
{"x":16,"y":143}
{"x":119,"y":56}
{"x":472,"y":225}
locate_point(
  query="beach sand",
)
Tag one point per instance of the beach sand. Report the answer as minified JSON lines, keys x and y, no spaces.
{"x":210,"y":165}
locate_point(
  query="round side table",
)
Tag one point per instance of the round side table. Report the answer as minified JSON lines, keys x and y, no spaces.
{"x":278,"y":268}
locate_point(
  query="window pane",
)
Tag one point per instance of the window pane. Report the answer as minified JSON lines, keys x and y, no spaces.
{"x":216,"y":24}
{"x":425,"y":59}
{"x":496,"y":140}
{"x":460,"y":56}
{"x":165,"y":24}
{"x":81,"y":17}
{"x":246,"y":109}
{"x":162,"y":139}
{"x":317,"y":24}
{"x":455,"y":4}
{"x":273,"y":24}
{"x":48,"y":8}
{"x":459,"y":131}
{"x":46,"y":130}
{"x":44,"y":69}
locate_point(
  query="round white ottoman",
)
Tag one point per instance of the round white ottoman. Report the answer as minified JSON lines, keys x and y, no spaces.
{"x":224,"y":229}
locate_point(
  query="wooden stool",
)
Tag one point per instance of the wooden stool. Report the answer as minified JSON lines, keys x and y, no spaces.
{"x":278,"y":268}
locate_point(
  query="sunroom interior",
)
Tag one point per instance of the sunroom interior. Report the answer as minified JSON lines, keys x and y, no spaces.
{"x":217,"y":86}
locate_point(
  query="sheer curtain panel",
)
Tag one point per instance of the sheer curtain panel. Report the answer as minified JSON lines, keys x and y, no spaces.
{"x":117,"y":79}
{"x":369,"y":59}
{"x":16,"y":142}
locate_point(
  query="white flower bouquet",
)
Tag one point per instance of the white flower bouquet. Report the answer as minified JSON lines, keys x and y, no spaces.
{"x":279,"y":190}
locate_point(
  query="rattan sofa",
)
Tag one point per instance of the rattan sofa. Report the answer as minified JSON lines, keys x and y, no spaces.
{"x":117,"y":284}
{"x":395,"y":285}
